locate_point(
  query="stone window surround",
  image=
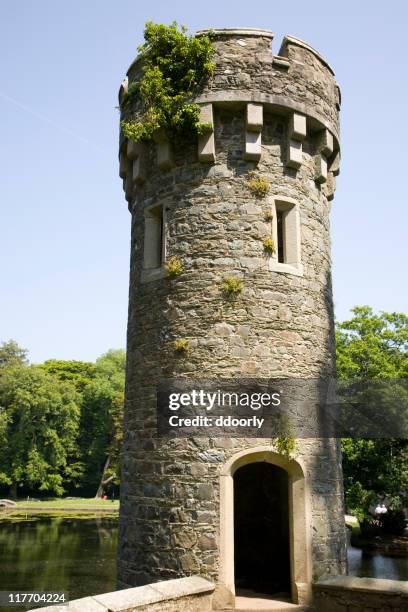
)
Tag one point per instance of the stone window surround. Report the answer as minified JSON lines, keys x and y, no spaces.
{"x":154,"y":217}
{"x":292,"y":244}
{"x":299,"y":519}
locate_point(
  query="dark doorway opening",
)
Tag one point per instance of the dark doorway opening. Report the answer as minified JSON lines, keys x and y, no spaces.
{"x":261,"y":529}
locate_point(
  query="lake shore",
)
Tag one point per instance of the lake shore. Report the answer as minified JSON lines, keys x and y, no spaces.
{"x":63,"y":505}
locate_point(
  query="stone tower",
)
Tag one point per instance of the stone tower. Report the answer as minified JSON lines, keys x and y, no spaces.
{"x":193,"y":505}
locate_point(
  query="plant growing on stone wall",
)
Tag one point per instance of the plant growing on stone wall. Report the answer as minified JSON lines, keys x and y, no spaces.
{"x":285,"y":446}
{"x":181,"y":346}
{"x":174,"y":266}
{"x":204,"y":128}
{"x":232,"y":286}
{"x":129,"y":95}
{"x":268,"y":216}
{"x":174,"y":65}
{"x":269,"y":245}
{"x":258,"y":185}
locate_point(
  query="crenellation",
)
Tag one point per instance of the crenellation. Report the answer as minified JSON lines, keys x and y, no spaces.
{"x":300,"y":49}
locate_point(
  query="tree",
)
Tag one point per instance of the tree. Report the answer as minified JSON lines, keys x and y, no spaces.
{"x":101,"y":389}
{"x":60,"y":422}
{"x":96,"y":433}
{"x":40,"y":419}
{"x":111,"y":369}
{"x":12,"y":354}
{"x":373,"y":346}
{"x":80,"y":373}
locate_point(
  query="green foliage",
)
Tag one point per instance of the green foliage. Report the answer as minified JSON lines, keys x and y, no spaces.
{"x":77,"y":372}
{"x":269,"y":245}
{"x":204,"y":128}
{"x":258,"y":185}
{"x":12,"y":354}
{"x":99,"y":433}
{"x":112,"y":366}
{"x":174,"y":66}
{"x":174,"y":266}
{"x":393,"y":522}
{"x":268,"y":216}
{"x":285,"y":446}
{"x":232,"y":286}
{"x":60,"y":423}
{"x":373,"y":346}
{"x":130,"y":95}
{"x":372,"y":469}
{"x":181,"y":345}
{"x":358,"y":499}
{"x":41,"y":416}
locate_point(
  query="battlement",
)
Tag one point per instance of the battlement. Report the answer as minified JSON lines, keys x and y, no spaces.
{"x":289,"y":41}
{"x":262,"y":40}
{"x":244,"y":60}
{"x":297,"y":84}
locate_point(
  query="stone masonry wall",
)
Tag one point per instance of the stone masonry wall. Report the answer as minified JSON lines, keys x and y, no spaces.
{"x":281,"y":324}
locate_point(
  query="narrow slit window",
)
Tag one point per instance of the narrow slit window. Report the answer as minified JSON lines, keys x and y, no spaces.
{"x":280,"y":235}
{"x":154,"y":237}
{"x":286,"y":234}
{"x":161,"y":243}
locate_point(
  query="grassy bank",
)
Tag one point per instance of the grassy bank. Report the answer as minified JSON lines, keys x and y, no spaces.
{"x":68,"y":504}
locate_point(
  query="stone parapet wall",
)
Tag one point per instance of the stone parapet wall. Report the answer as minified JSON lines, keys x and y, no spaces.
{"x":193,"y":594}
{"x":352,"y":594}
{"x":246,"y":66}
{"x":296,"y":85}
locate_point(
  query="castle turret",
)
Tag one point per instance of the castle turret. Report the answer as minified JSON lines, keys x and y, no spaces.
{"x":248,"y":199}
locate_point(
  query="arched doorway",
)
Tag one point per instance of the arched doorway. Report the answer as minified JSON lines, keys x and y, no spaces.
{"x":261,"y":530}
{"x":298,"y":514}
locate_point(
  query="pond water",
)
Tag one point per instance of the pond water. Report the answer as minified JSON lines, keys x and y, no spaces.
{"x":370,"y":565}
{"x":77,"y":554}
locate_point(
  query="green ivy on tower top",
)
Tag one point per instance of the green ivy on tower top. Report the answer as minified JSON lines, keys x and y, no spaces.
{"x":175,"y":64}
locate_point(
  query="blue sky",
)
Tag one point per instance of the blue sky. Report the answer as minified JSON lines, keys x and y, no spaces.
{"x":65,"y":227}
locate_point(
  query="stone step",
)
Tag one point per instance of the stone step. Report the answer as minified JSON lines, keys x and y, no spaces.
{"x":262,"y":603}
{"x":275,"y":609}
